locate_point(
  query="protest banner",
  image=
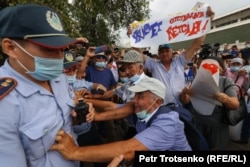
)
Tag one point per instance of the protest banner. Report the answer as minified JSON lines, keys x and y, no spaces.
{"x":179,"y":27}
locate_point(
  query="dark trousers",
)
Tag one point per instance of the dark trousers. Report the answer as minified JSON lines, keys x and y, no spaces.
{"x":92,"y":137}
{"x":245,"y":129}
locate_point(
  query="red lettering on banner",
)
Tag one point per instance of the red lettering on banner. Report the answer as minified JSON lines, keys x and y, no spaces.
{"x":196,"y":28}
{"x":187,"y":29}
{"x":187,"y":16}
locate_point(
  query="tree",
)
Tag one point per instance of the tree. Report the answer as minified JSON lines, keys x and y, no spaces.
{"x":100,"y":20}
{"x":62,"y":7}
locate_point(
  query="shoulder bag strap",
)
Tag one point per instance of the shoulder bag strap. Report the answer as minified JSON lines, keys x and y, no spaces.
{"x":236,"y":86}
{"x":236,"y":78}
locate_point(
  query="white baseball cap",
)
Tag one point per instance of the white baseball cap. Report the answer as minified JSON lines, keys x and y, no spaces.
{"x":149,"y":84}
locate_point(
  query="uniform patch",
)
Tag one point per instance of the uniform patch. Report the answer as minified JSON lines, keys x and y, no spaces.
{"x":54,"y":20}
{"x":6,"y":86}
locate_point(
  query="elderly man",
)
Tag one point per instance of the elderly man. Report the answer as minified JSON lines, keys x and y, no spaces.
{"x":166,"y":131}
{"x":132,"y":62}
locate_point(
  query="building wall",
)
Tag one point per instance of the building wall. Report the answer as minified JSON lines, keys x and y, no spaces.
{"x":234,"y":35}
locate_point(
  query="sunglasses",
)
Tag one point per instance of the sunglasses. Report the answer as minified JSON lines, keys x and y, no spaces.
{"x":101,"y":56}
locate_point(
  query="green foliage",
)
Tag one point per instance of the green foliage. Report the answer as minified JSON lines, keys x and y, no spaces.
{"x":97,"y":20}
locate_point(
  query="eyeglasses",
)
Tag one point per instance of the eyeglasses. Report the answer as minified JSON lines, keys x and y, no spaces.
{"x":101,"y":56}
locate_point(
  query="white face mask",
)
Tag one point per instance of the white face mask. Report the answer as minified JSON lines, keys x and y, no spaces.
{"x":144,"y":113}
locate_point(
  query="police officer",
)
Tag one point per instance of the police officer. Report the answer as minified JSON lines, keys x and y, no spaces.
{"x":34,"y":96}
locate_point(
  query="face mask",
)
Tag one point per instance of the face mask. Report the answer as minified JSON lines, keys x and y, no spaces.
{"x":234,"y":68}
{"x":45,"y":68}
{"x":100,"y":64}
{"x":144,"y":113}
{"x":247,"y":46}
{"x":71,"y":79}
{"x":134,"y":78}
{"x":124,"y":79}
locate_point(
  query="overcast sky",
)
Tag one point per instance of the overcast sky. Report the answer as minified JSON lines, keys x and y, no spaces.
{"x":162,"y":8}
{"x":159,"y":8}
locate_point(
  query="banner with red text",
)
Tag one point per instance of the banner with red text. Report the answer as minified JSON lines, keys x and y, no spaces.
{"x":170,"y":29}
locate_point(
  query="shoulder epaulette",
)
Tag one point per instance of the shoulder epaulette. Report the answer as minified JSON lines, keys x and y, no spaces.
{"x":6,"y":86}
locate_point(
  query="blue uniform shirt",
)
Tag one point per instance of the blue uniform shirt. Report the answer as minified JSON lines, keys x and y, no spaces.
{"x":30,"y":118}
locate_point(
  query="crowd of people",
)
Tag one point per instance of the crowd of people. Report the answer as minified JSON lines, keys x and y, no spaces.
{"x":44,"y":78}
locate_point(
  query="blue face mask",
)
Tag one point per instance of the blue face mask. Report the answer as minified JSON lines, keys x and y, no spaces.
{"x":71,"y":78}
{"x":100,"y":64}
{"x":45,"y":68}
{"x":134,"y":78}
{"x":234,"y":68}
{"x":124,"y":79}
{"x":144,"y":113}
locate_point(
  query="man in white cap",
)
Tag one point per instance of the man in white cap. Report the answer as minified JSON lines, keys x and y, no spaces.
{"x":165,"y":132}
{"x":132,"y":62}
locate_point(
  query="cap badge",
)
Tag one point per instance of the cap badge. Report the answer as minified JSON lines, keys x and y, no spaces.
{"x":69,"y":57}
{"x":54,"y":20}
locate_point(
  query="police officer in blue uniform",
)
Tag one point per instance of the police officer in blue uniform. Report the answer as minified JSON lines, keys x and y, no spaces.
{"x":35,"y":100}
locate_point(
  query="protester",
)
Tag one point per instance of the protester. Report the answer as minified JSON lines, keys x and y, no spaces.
{"x":97,"y":72}
{"x":234,"y":51}
{"x":169,"y":69}
{"x":132,"y":62}
{"x":245,"y":52}
{"x":214,"y":130}
{"x":238,"y":75}
{"x":166,"y":132}
{"x":35,"y":98}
